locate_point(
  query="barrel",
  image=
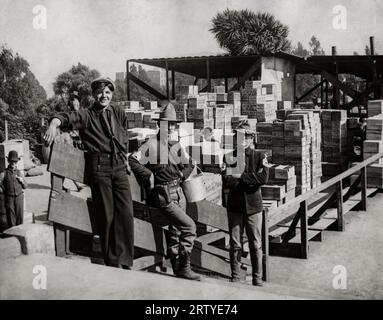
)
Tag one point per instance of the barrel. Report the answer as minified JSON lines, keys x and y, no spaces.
{"x":194,"y":187}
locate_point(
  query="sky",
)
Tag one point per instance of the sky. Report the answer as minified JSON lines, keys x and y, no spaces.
{"x":103,"y":34}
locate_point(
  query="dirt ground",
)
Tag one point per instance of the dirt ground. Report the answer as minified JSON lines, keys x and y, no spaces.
{"x":357,"y":251}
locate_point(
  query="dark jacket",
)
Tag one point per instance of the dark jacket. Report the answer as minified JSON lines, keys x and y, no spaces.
{"x":93,"y":133}
{"x":245,"y":192}
{"x":9,"y":184}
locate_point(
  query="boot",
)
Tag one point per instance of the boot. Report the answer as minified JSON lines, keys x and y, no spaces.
{"x":174,"y":261}
{"x":235,"y":264}
{"x":184,"y":270}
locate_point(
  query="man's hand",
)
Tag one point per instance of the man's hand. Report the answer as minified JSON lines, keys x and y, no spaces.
{"x":51,"y":132}
{"x":265,"y":162}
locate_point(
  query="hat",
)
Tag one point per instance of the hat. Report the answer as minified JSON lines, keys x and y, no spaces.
{"x":13,"y":156}
{"x":168,"y":113}
{"x":96,"y":83}
{"x":245,"y":128}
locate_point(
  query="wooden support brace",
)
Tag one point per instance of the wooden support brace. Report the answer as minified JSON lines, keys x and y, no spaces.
{"x":363,"y":177}
{"x":145,"y":86}
{"x":304,"y":238}
{"x":339,"y":205}
{"x":253,"y":68}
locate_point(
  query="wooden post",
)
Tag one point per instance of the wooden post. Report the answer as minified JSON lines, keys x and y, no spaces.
{"x":127,"y":81}
{"x":363,"y":185}
{"x":208,"y":74}
{"x":326,"y":94}
{"x":173,"y":84}
{"x":167,"y":78}
{"x":226,"y":85}
{"x":321,"y":92}
{"x":265,"y":246}
{"x":339,"y":205}
{"x":336,"y":93}
{"x":374,"y":72}
{"x":60,"y":240}
{"x":304,"y":238}
{"x":6,"y":130}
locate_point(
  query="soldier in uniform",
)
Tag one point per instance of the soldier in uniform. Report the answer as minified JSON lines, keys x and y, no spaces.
{"x":161,"y":165}
{"x":103,"y":131}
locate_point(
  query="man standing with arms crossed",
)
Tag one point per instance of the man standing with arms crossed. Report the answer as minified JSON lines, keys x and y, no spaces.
{"x":103,"y":132}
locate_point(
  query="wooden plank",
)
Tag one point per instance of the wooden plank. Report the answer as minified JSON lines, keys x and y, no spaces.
{"x":149,"y":237}
{"x":265,"y":246}
{"x":323,"y":224}
{"x":67,"y":161}
{"x":347,"y":90}
{"x":71,"y":211}
{"x":60,"y":240}
{"x":211,"y":237}
{"x":208,"y":213}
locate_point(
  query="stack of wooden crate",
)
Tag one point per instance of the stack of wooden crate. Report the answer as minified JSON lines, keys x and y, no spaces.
{"x":297,"y":150}
{"x":334,"y":136}
{"x":200,"y":117}
{"x":374,"y":107}
{"x":281,"y":185}
{"x":264,"y":139}
{"x":234,"y":98}
{"x":371,"y":146}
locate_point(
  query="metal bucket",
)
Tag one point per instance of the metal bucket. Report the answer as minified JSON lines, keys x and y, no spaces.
{"x":194,"y":187}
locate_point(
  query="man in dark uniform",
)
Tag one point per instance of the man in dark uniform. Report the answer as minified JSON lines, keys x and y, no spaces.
{"x":244,"y":203}
{"x":161,"y":165}
{"x":103,"y":131}
{"x":12,"y":184}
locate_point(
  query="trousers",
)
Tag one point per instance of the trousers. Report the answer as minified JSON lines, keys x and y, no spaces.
{"x":253,"y":226}
{"x":113,"y":207}
{"x":14,"y":208}
{"x":182,"y":229}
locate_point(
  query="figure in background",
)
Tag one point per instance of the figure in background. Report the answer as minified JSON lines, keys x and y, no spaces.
{"x":12,"y":184}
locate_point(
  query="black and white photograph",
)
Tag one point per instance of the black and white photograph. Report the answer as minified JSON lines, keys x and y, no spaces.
{"x":191,"y":155}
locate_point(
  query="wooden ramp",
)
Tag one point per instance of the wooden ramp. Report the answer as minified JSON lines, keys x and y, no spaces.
{"x":73,"y":220}
{"x":318,"y":210}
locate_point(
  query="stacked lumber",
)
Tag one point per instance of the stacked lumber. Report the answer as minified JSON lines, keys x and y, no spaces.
{"x":222,"y":114}
{"x":278,"y":142}
{"x":371,"y":148}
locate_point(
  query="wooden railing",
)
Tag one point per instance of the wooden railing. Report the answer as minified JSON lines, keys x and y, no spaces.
{"x":297,"y":209}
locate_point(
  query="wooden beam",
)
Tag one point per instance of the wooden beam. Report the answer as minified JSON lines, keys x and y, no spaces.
{"x":127,"y":81}
{"x":208,"y":74}
{"x":173,"y":84}
{"x":167,"y":79}
{"x":363,"y":176}
{"x":309,"y":91}
{"x":335,"y":82}
{"x":145,"y":86}
{"x":253,"y":68}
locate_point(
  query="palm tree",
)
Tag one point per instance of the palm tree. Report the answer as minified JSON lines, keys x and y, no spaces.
{"x":245,"y":32}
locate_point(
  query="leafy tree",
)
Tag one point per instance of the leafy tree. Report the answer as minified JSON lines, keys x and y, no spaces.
{"x":245,"y":32}
{"x":78,"y":78}
{"x":21,"y":95}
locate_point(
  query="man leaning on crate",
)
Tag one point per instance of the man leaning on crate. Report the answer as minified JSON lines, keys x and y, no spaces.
{"x":161,"y":164}
{"x":244,"y":171}
{"x":103,"y":131}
